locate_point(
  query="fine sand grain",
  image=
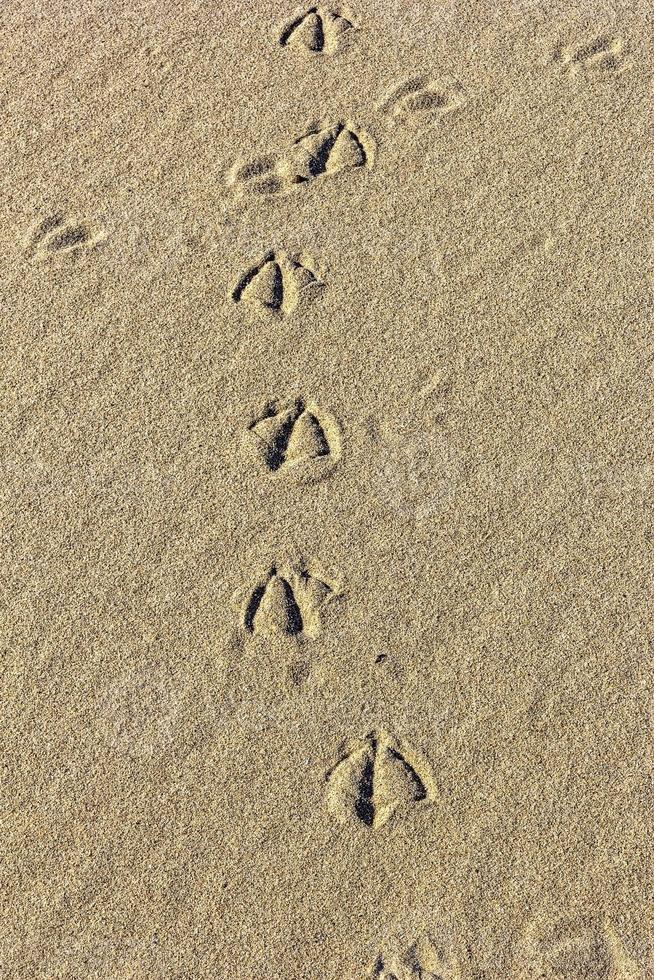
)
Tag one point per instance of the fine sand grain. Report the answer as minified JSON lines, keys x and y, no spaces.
{"x":327,"y":490}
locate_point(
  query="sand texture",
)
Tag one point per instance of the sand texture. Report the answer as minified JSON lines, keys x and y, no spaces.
{"x":326,"y":592}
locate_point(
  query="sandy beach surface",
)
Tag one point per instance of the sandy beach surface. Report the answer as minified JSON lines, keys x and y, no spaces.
{"x":327,"y":490}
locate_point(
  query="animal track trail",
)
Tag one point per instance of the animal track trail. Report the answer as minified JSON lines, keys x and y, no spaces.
{"x":288,"y":601}
{"x":603,"y":56}
{"x":420,"y":101}
{"x":374,"y":780}
{"x":323,"y":151}
{"x":276,"y":284}
{"x":318,"y":30}
{"x":295,"y":439}
{"x":58,"y":237}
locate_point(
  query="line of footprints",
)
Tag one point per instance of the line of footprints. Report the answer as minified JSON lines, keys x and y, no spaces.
{"x":296,"y":439}
{"x":378,"y":776}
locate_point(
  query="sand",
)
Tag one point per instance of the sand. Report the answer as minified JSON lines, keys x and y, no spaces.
{"x":327,"y":482}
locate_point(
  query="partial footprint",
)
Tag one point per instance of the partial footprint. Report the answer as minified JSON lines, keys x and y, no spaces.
{"x":574,"y":949}
{"x":421,"y":101}
{"x":318,"y":30}
{"x":295,"y":439}
{"x":374,"y":779}
{"x":604,"y":55}
{"x":60,"y":237}
{"x":155,"y":59}
{"x":276,"y":283}
{"x":322,"y":151}
{"x":260,"y":177}
{"x":288,"y":601}
{"x":425,"y":959}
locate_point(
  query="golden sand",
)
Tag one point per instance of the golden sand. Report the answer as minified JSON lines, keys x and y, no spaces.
{"x":327,"y":490}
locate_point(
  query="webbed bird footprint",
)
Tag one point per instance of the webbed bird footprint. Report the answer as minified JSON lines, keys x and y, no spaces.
{"x":319,"y":30}
{"x":322,"y":151}
{"x":374,"y":780}
{"x":60,"y":237}
{"x":295,"y":439}
{"x":422,"y":101}
{"x":288,"y":601}
{"x":276,"y":283}
{"x":329,"y":151}
{"x":604,"y":54}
